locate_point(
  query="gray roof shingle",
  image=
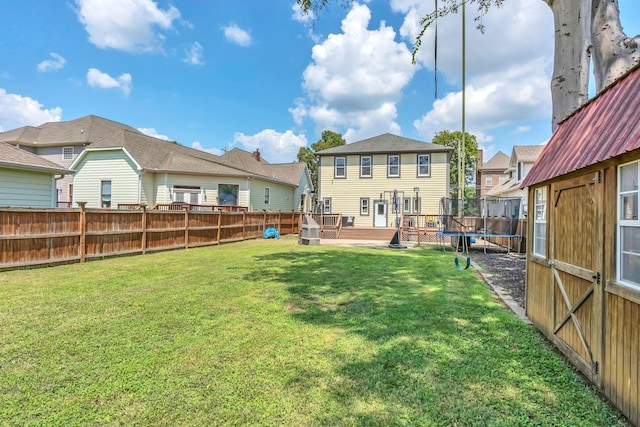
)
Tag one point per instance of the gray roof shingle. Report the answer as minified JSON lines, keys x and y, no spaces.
{"x":386,"y":143}
{"x":15,"y":157}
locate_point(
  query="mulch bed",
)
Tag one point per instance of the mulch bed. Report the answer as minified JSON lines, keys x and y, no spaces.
{"x":506,"y":269}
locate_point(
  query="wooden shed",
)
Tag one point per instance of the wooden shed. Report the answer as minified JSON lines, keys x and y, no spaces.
{"x":583,"y":254}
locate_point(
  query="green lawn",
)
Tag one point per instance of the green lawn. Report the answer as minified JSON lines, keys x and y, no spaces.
{"x":269,"y":333}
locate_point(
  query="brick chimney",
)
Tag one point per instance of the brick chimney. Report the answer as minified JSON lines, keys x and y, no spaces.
{"x":256,"y":154}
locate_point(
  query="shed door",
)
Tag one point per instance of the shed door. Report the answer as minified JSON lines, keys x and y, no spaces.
{"x":576,"y":264}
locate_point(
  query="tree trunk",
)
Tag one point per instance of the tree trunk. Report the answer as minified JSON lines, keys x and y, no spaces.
{"x":570,"y":81}
{"x":613,"y":52}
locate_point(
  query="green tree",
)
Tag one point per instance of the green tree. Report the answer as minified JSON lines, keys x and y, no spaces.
{"x":454,"y":139}
{"x":329,"y":139}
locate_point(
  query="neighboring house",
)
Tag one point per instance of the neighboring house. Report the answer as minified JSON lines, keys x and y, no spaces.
{"x":583,"y":255}
{"x":27,"y":180}
{"x":522,"y":159}
{"x":492,"y":173}
{"x":135,"y":168}
{"x":359,"y":180}
{"x":62,"y":142}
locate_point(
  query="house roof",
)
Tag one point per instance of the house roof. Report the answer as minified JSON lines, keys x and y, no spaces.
{"x":605,"y":127}
{"x":14,"y":157}
{"x":385,"y":143}
{"x":506,"y":186}
{"x":499,"y":162}
{"x":285,"y":172}
{"x":84,"y":130}
{"x":525,"y":153}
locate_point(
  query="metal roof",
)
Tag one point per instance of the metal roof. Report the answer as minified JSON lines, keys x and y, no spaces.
{"x":605,"y":127}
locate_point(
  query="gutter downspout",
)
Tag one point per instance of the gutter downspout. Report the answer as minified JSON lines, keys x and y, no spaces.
{"x":249,"y":193}
{"x":54,"y":193}
{"x":140,"y":186}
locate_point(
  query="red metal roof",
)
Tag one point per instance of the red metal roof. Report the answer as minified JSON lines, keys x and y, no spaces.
{"x":605,"y":127}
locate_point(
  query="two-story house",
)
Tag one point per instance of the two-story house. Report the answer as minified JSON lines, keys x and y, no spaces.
{"x":374,"y":180}
{"x":522,"y":159}
{"x":492,"y":173}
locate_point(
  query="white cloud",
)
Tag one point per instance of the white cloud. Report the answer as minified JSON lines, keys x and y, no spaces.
{"x":17,"y":111}
{"x":55,"y":64}
{"x":274,"y":146}
{"x":97,"y":78}
{"x":128,"y":25}
{"x":152,"y":132}
{"x":198,"y":146}
{"x":237,"y":35}
{"x":508,"y":70}
{"x":356,"y":78}
{"x":193,"y":55}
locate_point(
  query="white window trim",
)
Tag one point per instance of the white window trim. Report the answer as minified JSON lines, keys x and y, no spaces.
{"x":428,"y":156}
{"x":343,"y":167}
{"x":540,"y":221}
{"x":110,"y":194}
{"x":489,"y":181}
{"x":66,"y":150}
{"x":389,"y":157}
{"x":364,"y":206}
{"x":267,"y":195}
{"x":184,"y":190}
{"x":362,"y":175}
{"x":326,"y":205}
{"x":622,"y":223}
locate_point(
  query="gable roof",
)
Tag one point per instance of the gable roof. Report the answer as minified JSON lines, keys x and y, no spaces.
{"x":525,"y":153}
{"x":499,"y":162}
{"x":605,"y":127}
{"x":385,"y":143}
{"x":14,"y":157}
{"x":84,"y":130}
{"x":286,"y":172}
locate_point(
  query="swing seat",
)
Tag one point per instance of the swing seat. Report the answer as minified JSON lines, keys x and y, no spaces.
{"x":459,"y":267}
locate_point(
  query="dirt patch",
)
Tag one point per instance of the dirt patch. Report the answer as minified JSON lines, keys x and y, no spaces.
{"x":506,"y":269}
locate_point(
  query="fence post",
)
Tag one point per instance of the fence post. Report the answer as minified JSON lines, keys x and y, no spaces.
{"x":186,"y":227}
{"x":244,"y":225}
{"x":144,"y":228}
{"x":279,"y":227}
{"x":219,"y":226}
{"x":83,"y":229}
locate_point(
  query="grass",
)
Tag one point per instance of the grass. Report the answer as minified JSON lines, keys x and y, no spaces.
{"x":269,"y":333}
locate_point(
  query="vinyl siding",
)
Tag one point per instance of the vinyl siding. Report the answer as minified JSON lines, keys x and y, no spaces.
{"x":54,"y":154}
{"x":164,"y":183}
{"x":346,"y":193}
{"x":147,"y":190}
{"x":99,"y":166}
{"x":281,"y":197}
{"x":29,"y":189}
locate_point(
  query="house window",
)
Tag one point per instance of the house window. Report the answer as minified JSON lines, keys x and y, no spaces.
{"x":364,"y":206}
{"x":365,"y":167}
{"x":340,"y":167}
{"x":540,"y":223}
{"x":424,"y":164}
{"x":186,"y":194}
{"x":326,"y":205}
{"x":266,"y":195}
{"x":105,"y":194}
{"x":502,"y":179}
{"x":628,"y":258}
{"x":416,"y":204}
{"x":393,"y":166}
{"x":489,"y":181}
{"x":406,"y":205}
{"x":519,"y":171}
{"x":67,"y":153}
{"x":228,"y":194}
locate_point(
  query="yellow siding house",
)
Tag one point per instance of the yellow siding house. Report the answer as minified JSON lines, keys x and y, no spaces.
{"x":374,"y":180}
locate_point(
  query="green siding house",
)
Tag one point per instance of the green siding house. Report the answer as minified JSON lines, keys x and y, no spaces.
{"x":27,"y":180}
{"x":133,"y":168}
{"x":359,"y":180}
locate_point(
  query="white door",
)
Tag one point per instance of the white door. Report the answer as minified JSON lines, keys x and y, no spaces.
{"x":380,"y":216}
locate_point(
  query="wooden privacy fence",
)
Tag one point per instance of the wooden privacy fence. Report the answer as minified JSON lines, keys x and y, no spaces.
{"x":37,"y":237}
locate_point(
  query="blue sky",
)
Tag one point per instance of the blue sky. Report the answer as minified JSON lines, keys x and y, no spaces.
{"x":220,"y":74}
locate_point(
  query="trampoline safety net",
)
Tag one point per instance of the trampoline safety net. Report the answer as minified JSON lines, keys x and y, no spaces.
{"x":496,"y":215}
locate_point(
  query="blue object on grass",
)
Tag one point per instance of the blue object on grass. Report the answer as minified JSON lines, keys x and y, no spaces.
{"x":271,"y":232}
